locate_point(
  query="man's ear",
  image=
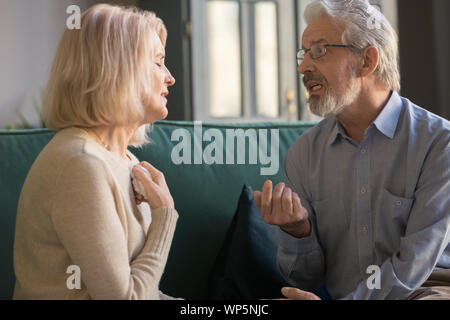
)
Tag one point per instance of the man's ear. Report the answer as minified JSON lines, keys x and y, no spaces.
{"x":369,"y":63}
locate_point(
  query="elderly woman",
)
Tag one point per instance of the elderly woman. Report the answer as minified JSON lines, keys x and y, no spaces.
{"x":78,"y":212}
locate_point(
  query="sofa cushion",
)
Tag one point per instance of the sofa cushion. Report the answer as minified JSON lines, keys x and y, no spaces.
{"x":246,"y":265}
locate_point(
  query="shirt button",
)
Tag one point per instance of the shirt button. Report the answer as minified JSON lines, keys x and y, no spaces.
{"x":399,"y":203}
{"x":363,"y":151}
{"x":363,"y":191}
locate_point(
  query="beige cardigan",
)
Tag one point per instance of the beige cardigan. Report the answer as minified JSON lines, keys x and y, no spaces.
{"x":77,"y":207}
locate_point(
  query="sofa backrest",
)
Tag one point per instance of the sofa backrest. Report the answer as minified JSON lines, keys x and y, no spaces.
{"x":205,"y":195}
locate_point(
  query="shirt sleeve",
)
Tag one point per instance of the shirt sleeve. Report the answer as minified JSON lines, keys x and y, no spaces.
{"x":86,"y":218}
{"x":301,"y":261}
{"x":427,"y":234}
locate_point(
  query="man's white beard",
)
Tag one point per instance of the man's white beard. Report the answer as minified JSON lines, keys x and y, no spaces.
{"x":331,"y":104}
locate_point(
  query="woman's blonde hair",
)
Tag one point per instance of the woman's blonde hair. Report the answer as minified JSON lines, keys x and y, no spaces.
{"x":101,"y":72}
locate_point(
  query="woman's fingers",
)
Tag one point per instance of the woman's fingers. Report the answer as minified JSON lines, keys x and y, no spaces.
{"x":157,"y":192}
{"x":141,"y":174}
{"x":146,"y":180}
{"x":139,"y":198}
{"x":157,"y":175}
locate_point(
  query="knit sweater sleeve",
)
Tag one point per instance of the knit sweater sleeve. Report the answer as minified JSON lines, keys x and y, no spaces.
{"x":86,"y":219}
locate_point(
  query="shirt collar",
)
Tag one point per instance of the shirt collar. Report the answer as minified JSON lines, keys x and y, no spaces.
{"x":337,"y":130}
{"x":386,"y":121}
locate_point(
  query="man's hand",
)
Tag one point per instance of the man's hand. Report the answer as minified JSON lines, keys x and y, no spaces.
{"x":297,"y":294}
{"x":283,"y":208}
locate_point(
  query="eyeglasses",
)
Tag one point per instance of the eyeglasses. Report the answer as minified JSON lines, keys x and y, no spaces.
{"x":317,"y":51}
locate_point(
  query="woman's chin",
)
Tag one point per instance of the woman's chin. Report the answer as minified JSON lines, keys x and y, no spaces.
{"x":156,"y":115}
{"x":164,"y":113}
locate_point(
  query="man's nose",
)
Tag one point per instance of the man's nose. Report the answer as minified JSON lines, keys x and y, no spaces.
{"x":306,"y":65}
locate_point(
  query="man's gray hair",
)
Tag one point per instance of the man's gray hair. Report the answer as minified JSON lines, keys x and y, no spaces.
{"x":364,"y":26}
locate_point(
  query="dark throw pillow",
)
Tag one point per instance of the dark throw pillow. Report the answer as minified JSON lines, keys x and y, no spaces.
{"x":246,"y":266}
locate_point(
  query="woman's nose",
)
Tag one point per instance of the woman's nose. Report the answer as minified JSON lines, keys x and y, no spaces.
{"x":170,"y":80}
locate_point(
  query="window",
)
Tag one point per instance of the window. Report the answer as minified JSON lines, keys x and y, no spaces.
{"x":244,"y":59}
{"x":244,"y":65}
{"x":224,"y":59}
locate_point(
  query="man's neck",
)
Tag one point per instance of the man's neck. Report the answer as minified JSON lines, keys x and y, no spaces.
{"x":357,"y":117}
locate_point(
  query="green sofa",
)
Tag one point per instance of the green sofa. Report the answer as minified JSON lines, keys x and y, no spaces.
{"x":206,"y":195}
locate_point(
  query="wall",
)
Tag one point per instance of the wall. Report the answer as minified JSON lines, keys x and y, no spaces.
{"x":30,"y":31}
{"x":29,"y":34}
{"x":424,"y":50}
{"x":441,"y":13}
{"x":175,"y":14}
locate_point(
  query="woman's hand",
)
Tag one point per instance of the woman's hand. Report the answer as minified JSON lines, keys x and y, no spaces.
{"x":139,"y":198}
{"x":156,"y":190}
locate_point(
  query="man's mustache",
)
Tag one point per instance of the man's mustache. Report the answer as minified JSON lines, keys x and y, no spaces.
{"x":310,"y":76}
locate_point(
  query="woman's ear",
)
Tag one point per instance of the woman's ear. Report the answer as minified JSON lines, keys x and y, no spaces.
{"x":370,"y":57}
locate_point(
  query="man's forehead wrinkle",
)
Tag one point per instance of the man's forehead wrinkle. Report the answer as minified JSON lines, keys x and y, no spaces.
{"x":321,"y":29}
{"x":319,"y":40}
{"x":318,"y":37}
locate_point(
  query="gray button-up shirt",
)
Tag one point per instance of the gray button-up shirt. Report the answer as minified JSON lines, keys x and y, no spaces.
{"x":384,"y":202}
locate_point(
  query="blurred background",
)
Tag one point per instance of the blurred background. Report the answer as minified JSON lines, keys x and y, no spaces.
{"x":234,"y":60}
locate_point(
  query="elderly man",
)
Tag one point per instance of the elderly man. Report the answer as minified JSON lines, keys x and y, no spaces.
{"x":365,"y":207}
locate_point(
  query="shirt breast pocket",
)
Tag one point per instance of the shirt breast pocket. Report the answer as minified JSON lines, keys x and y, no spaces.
{"x":391,"y":220}
{"x":332,"y":221}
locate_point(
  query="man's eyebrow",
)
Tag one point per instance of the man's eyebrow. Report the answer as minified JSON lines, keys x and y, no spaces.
{"x":317,"y":41}
{"x":160,"y":55}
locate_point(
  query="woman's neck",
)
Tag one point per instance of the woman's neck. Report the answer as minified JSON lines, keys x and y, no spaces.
{"x":113,"y":138}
